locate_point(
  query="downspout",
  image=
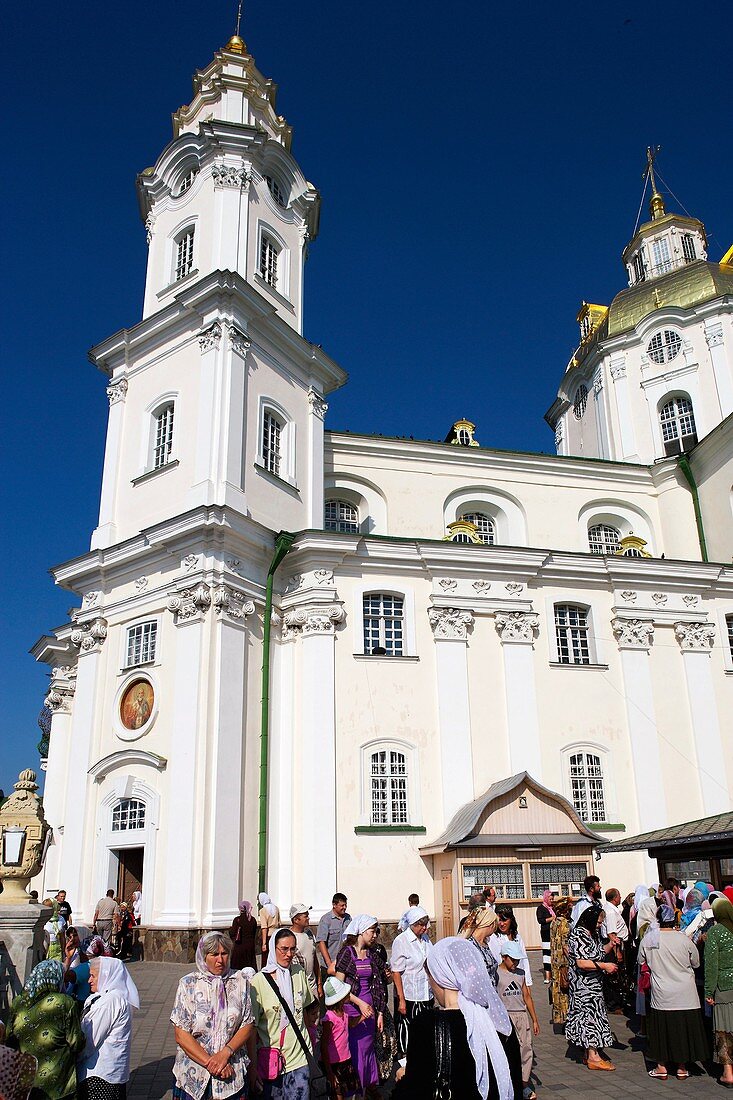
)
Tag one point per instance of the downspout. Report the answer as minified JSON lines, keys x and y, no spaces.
{"x":283,"y":542}
{"x":684,"y":464}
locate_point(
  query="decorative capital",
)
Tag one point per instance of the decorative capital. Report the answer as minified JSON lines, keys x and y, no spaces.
{"x":312,"y":620}
{"x":618,"y":370}
{"x":695,"y":637}
{"x":191,"y":604}
{"x":89,"y":636}
{"x":318,"y":406}
{"x":228,"y":175}
{"x":238,"y":340}
{"x":149,"y":225}
{"x":210,"y":338}
{"x":633,"y":633}
{"x":714,"y":335}
{"x":117,"y":391}
{"x":517,"y":626}
{"x":61,"y":692}
{"x":598,"y":384}
{"x":231,"y":603}
{"x":450,"y":623}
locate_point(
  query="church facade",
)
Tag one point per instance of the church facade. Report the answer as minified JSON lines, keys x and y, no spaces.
{"x":460,"y":666}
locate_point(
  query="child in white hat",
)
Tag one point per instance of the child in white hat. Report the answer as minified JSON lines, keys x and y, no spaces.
{"x":516,"y":997}
{"x":335,"y":1053}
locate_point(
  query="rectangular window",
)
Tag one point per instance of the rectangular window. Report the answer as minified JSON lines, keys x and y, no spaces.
{"x":639,"y":269}
{"x":268,"y":260}
{"x":389,"y":788}
{"x":507,"y":880}
{"x":163,"y":437}
{"x":565,"y":879}
{"x":586,"y":785}
{"x":184,"y":255}
{"x":571,"y":632}
{"x":141,"y":641}
{"x":271,"y":438}
{"x":688,"y":247}
{"x":660,"y":252}
{"x":383,"y":625}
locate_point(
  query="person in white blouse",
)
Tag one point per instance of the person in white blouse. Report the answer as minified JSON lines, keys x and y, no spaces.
{"x":104,"y":1066}
{"x":507,"y":930}
{"x":412,"y":988}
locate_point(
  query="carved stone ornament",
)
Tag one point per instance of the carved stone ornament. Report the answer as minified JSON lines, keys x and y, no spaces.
{"x":597,"y":385}
{"x":238,"y":340}
{"x":449,"y":622}
{"x":229,"y":175}
{"x":660,"y":598}
{"x":323,"y":576}
{"x":628,"y":596}
{"x":481,"y":587}
{"x":230,"y":602}
{"x":695,"y":637}
{"x":513,"y":588}
{"x":22,"y":818}
{"x":618,"y":370}
{"x":312,"y":620}
{"x":293,"y":583}
{"x":558,"y":433}
{"x":633,"y":633}
{"x":691,"y":601}
{"x":190,"y":562}
{"x":448,"y":585}
{"x":117,"y":391}
{"x":141,"y":584}
{"x":89,"y":636}
{"x":318,"y":406}
{"x":233,"y":564}
{"x":210,"y":338}
{"x":714,"y":336}
{"x":190,"y":604}
{"x":149,"y":226}
{"x":91,"y":599}
{"x":517,"y":626}
{"x":61,"y":692}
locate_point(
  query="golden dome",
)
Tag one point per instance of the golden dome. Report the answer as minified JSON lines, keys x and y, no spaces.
{"x":236,"y":45}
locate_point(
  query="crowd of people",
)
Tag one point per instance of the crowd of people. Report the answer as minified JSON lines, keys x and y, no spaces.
{"x":334,"y":1014}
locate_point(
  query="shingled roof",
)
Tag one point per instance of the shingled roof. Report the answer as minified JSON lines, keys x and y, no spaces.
{"x":704,"y":830}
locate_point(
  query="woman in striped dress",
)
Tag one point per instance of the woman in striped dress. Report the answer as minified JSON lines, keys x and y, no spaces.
{"x":545,"y":915}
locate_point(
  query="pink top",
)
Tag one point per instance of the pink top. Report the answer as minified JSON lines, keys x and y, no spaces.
{"x":338,"y":1036}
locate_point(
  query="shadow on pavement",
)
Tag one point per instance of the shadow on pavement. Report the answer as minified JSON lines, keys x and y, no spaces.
{"x":152,"y":1079}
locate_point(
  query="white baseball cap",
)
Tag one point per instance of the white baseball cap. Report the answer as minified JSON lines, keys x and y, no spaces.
{"x":299,"y":907}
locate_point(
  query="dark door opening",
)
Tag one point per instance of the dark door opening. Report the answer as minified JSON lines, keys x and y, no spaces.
{"x":129,"y":872}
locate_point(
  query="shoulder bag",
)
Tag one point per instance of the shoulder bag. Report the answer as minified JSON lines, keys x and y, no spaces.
{"x":319,"y":1087}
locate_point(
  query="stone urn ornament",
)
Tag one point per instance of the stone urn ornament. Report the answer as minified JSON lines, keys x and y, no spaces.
{"x":23,"y":829}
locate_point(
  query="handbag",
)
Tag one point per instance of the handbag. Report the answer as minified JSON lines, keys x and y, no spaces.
{"x":271,"y":1060}
{"x":563,"y":979}
{"x":319,"y":1086}
{"x":645,"y":979}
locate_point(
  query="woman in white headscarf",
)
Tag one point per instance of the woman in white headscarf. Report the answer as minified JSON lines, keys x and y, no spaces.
{"x":104,"y":1065}
{"x":365,"y":971}
{"x":212,"y":1017}
{"x":647,"y":929}
{"x":269,"y":922}
{"x":458,"y":1049}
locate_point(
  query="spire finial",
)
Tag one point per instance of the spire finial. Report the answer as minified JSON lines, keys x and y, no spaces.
{"x":236,"y":44}
{"x":239,"y":19}
{"x":656,"y":203}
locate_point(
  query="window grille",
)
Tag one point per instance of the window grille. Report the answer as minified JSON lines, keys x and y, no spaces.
{"x":129,"y":813}
{"x":677,"y":421}
{"x":688,"y":247}
{"x":339,"y":515}
{"x":163,"y":437}
{"x":603,"y":538}
{"x":729,"y":627}
{"x":660,"y":254}
{"x":639,"y":268}
{"x":383,"y":624}
{"x":563,"y":878}
{"x":581,"y":401}
{"x":571,"y":632}
{"x":186,"y":182}
{"x":271,"y":442}
{"x":269,"y":253}
{"x":484,"y":525}
{"x":389,"y":788}
{"x":184,"y":255}
{"x":462,"y":537}
{"x":507,"y":880}
{"x":664,"y":346}
{"x":277,"y":192}
{"x":464,"y":437}
{"x":586,"y":784}
{"x":141,"y":642}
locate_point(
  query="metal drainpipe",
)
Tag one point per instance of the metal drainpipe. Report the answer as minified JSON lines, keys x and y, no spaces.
{"x":684,"y":464}
{"x":283,"y":542}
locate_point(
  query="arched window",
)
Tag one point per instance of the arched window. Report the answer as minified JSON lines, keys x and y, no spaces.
{"x":603,"y":538}
{"x":186,"y":182}
{"x":184,"y":254}
{"x":581,"y":401}
{"x":383,"y":624}
{"x":388,"y":788}
{"x":272,"y":428}
{"x":163,"y":435}
{"x":484,"y":525}
{"x":677,"y":421}
{"x":586,"y":786}
{"x":461,"y":536}
{"x":277,"y":190}
{"x":339,"y":515}
{"x":269,"y":259}
{"x":129,"y":813}
{"x":572,"y":634}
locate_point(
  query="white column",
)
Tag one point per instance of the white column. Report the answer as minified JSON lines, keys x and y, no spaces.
{"x":623,"y":406}
{"x":314,"y":817}
{"x":280,"y":884}
{"x":89,"y":638}
{"x":59,"y":700}
{"x":224,"y":828}
{"x":634,"y":637}
{"x":178,"y":907}
{"x":721,"y":368}
{"x":600,"y":411}
{"x":234,"y":400}
{"x":317,"y":408}
{"x":696,"y":640}
{"x":518,"y":630}
{"x":207,"y":422}
{"x":106,"y":531}
{"x":450,"y":629}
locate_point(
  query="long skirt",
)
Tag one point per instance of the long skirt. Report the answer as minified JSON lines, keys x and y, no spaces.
{"x":677,"y":1037}
{"x":546,"y":956}
{"x":402,"y":1023}
{"x":363,"y":1054}
{"x":94,"y":1088}
{"x":288,"y":1086}
{"x":587,"y":1023}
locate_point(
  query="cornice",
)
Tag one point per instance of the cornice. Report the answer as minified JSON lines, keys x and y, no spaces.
{"x":713,"y":450}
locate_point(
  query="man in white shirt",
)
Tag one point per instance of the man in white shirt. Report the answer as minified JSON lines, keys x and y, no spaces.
{"x":616,"y":985}
{"x":615,"y":924}
{"x":412,"y":989}
{"x":306,"y":946}
{"x":591,"y":896}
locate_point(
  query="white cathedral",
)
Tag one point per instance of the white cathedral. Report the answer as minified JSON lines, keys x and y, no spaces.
{"x":305,"y":660}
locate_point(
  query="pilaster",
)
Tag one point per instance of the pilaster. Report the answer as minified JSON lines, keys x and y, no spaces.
{"x":207,"y":408}
{"x":696,"y":641}
{"x":317,"y":409}
{"x":106,"y":531}
{"x":721,"y":368}
{"x":517,"y":631}
{"x":450,"y":631}
{"x":617,"y":371}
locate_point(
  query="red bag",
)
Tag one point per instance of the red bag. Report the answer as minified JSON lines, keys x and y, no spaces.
{"x":271,"y":1060}
{"x":645,"y":979}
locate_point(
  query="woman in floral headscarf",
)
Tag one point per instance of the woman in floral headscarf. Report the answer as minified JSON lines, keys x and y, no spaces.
{"x":44,"y":1022}
{"x":243,"y":934}
{"x":212,"y":1017}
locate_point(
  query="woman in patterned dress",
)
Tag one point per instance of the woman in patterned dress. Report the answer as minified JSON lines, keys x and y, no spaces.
{"x":365,"y":972}
{"x":559,"y":932}
{"x":587,"y":1024}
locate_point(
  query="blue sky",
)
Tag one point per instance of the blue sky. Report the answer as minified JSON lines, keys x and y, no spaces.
{"x":480,"y":167}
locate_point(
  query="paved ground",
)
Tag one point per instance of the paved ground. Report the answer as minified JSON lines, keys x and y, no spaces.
{"x":556,"y":1070}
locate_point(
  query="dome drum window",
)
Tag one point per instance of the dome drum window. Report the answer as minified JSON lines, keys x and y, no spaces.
{"x":485,"y":527}
{"x":339,"y":515}
{"x":186,"y":182}
{"x":580,"y":402}
{"x":603,"y":539}
{"x":278,"y":191}
{"x":664,"y":346}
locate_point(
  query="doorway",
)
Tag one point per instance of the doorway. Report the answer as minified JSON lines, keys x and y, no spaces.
{"x":129,"y":871}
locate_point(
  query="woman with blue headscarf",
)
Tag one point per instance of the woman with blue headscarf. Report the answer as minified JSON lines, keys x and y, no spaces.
{"x":44,"y":1022}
